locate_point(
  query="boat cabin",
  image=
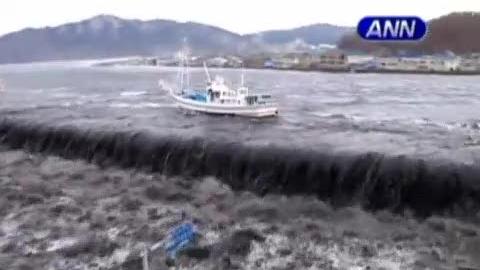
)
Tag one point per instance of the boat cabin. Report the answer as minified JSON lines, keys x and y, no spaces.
{"x":218,"y":92}
{"x":258,"y":99}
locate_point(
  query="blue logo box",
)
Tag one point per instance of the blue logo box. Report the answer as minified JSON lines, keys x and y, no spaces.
{"x":392,"y":28}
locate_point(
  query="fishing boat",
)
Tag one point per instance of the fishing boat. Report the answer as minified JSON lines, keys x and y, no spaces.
{"x":218,"y":98}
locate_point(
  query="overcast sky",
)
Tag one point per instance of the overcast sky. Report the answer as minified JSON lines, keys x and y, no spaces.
{"x":241,"y":16}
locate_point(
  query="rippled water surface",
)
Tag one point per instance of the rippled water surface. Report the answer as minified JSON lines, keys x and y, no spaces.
{"x":421,"y":115}
{"x":91,"y":194}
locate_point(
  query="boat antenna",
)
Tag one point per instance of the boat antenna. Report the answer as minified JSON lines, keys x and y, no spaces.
{"x":206,"y":72}
{"x":188,"y":71}
{"x":185,"y":55}
{"x":181,"y":71}
{"x":243,"y":76}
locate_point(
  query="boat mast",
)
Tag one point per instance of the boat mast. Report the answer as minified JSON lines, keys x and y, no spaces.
{"x":243,"y":76}
{"x":242,"y":79}
{"x":184,"y":68}
{"x":206,"y":72}
{"x":180,"y":71}
{"x":187,"y":70}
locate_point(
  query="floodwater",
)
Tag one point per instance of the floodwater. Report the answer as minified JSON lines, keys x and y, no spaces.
{"x":358,"y":171}
{"x":422,"y":115}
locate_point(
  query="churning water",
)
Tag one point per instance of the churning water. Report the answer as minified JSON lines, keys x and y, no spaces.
{"x":401,"y":143}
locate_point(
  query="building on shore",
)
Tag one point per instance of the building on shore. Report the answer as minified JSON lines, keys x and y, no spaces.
{"x":424,"y":64}
{"x":470,"y":63}
{"x":217,"y":62}
{"x":331,"y":60}
{"x":281,"y":62}
{"x":235,"y":61}
{"x":229,"y":61}
{"x":436,"y":64}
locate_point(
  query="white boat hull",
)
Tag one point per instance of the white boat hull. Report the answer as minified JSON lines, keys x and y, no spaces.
{"x":247,"y":111}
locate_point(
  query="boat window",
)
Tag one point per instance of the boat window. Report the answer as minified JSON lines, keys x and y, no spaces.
{"x":266,"y":96}
{"x":251,"y":99}
{"x":222,"y":101}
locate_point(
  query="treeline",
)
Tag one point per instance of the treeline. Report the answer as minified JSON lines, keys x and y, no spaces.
{"x":457,"y":32}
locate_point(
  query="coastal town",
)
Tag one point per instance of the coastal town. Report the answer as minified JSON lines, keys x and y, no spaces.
{"x":329,"y":60}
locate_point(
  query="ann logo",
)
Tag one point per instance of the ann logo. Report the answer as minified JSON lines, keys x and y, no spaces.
{"x":395,"y":28}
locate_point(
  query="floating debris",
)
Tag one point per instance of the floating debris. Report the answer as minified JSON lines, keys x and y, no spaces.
{"x":179,"y":238}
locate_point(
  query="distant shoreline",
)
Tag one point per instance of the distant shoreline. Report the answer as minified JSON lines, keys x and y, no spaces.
{"x":326,"y":70}
{"x":417,"y":72}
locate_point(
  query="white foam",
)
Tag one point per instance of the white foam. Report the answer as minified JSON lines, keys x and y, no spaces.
{"x":141,"y":105}
{"x":132,"y":93}
{"x":62,"y":243}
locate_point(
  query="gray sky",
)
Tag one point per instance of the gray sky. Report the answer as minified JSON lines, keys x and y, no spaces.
{"x":241,"y":16}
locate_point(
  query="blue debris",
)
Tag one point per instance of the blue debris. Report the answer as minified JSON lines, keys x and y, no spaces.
{"x":179,"y":238}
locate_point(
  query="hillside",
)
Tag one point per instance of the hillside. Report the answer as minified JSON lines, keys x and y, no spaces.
{"x":312,"y":34}
{"x":456,"y":32}
{"x":109,"y":36}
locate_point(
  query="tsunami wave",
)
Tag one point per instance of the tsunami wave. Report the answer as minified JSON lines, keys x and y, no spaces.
{"x":373,"y":180}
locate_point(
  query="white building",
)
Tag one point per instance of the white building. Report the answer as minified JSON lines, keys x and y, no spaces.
{"x":470,"y":63}
{"x":439,"y":64}
{"x":282,"y":62}
{"x":359,"y":59}
{"x":388,"y":63}
{"x":235,"y":61}
{"x":333,"y":60}
{"x":422,"y":64}
{"x":217,"y":62}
